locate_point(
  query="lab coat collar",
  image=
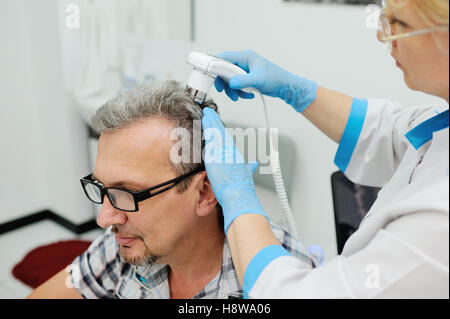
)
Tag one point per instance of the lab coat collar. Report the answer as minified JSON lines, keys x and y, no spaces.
{"x":423,"y":132}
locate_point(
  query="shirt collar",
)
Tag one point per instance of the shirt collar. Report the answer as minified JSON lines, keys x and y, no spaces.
{"x":423,"y":132}
{"x":224,"y":285}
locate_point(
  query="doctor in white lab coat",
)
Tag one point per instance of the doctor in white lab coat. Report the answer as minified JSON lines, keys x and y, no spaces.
{"x":401,"y":249}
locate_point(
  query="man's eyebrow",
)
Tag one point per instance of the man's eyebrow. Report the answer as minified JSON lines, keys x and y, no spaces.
{"x":123,"y":183}
{"x":95,"y":178}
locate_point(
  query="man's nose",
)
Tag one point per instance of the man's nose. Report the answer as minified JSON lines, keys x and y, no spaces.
{"x":110,"y":216}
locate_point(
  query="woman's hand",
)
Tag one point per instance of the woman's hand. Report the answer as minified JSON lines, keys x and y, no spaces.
{"x":267,"y":78}
{"x":230,"y":177}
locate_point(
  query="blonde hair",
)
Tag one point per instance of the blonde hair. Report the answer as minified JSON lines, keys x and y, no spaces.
{"x":433,"y":12}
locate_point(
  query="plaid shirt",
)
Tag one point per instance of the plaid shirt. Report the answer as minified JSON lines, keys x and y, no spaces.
{"x":100,"y":272}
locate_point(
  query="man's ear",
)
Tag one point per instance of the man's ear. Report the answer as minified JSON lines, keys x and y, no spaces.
{"x":206,"y":198}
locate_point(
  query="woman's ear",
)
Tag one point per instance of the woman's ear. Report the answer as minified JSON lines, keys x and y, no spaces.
{"x":206,"y":198}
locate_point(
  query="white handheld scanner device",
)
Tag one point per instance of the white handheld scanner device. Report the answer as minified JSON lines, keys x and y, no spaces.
{"x":206,"y":68}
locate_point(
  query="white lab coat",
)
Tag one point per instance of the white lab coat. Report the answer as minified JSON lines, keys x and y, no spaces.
{"x":401,"y":249}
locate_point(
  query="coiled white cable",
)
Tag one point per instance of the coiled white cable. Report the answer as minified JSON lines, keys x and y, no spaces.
{"x":278,"y":178}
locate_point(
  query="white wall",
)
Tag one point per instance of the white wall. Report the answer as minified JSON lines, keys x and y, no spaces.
{"x":21,"y":160}
{"x":43,"y":139}
{"x":327,"y":43}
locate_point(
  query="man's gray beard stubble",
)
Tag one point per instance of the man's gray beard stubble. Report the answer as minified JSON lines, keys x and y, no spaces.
{"x":146,"y":259}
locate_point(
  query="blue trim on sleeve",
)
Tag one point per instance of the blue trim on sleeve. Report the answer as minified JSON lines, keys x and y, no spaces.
{"x":256,"y":266}
{"x":423,"y":132}
{"x":351,"y":134}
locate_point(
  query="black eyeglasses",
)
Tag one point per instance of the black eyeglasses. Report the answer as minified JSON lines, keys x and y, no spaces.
{"x":124,"y":199}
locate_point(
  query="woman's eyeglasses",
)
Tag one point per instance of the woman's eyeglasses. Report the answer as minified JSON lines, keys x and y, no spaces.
{"x":392,"y":29}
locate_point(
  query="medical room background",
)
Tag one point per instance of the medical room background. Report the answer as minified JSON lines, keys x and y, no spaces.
{"x":62,"y":59}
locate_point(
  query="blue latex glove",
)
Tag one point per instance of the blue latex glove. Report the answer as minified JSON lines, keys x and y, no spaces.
{"x":267,"y":78}
{"x":317,"y":252}
{"x":230,"y":177}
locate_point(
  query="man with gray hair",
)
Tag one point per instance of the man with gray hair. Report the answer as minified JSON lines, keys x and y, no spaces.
{"x":165,"y":236}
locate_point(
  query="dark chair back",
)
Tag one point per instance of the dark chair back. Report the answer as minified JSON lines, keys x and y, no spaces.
{"x":351,"y":203}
